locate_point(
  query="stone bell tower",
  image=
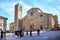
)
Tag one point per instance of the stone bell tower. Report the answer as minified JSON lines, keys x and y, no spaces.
{"x":18,"y":16}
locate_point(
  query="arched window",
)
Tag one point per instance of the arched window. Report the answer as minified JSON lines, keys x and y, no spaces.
{"x":32,"y":26}
{"x":32,"y":13}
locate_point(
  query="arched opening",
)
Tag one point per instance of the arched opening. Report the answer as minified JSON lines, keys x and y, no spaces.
{"x":32,"y":27}
{"x":41,"y":27}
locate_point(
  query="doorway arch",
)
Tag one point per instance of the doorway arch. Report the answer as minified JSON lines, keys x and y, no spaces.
{"x":41,"y":27}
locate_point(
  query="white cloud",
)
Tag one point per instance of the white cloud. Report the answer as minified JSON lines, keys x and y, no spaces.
{"x":6,"y":7}
{"x":9,"y":7}
{"x":52,"y":10}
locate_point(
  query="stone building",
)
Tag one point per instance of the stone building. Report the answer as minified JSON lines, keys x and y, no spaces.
{"x":11,"y":27}
{"x":18,"y":16}
{"x":35,"y":19}
{"x":3,"y":23}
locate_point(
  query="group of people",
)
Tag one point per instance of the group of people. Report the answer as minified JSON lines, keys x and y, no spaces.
{"x":38,"y":32}
{"x":20,"y":33}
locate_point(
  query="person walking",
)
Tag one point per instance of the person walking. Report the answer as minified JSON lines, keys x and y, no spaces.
{"x":26,"y":32}
{"x":38,"y":32}
{"x":16,"y":33}
{"x":1,"y":34}
{"x":30,"y":32}
{"x":21,"y":33}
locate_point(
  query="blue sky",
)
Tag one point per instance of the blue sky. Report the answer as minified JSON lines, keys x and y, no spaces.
{"x":48,"y":6}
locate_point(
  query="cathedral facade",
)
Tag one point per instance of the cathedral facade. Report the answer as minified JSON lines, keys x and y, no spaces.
{"x":35,"y":19}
